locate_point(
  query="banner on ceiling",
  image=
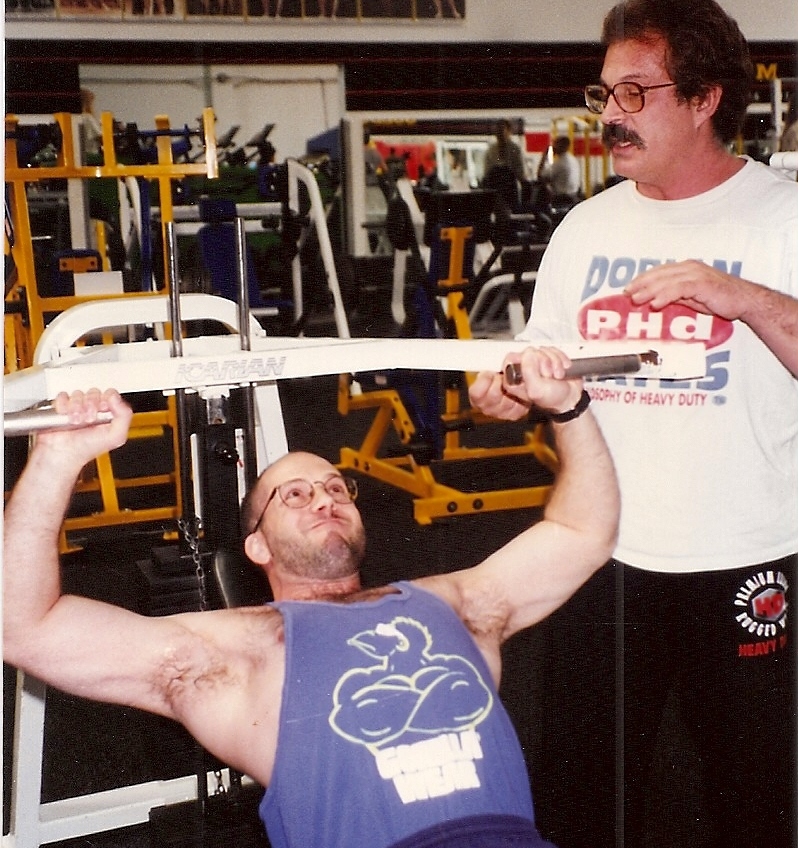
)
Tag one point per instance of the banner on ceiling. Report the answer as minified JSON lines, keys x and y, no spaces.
{"x":239,"y":11}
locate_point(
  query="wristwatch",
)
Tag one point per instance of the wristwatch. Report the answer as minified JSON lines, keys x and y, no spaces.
{"x":569,"y":415}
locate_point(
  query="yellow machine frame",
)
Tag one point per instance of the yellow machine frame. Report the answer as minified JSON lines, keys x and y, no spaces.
{"x":25,"y":320}
{"x":432,"y":498}
{"x":589,"y":127}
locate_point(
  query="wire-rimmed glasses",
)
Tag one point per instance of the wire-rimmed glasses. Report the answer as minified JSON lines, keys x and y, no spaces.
{"x":630,"y":96}
{"x":298,"y":493}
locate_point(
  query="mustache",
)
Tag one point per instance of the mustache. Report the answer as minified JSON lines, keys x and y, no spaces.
{"x":613,"y":134}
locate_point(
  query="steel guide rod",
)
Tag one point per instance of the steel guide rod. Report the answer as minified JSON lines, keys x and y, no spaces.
{"x":186,"y":492}
{"x":249,"y":438}
{"x":173,"y":287}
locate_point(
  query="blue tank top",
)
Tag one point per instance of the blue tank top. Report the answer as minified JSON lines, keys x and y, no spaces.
{"x":390,"y":725}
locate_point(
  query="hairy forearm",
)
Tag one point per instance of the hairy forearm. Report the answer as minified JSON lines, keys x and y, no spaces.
{"x":773,"y":316}
{"x":541,"y":568}
{"x":32,"y":522}
{"x":585,"y":497}
{"x":35,"y":512}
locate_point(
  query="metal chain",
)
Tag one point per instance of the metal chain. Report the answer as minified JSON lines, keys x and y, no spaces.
{"x":190,"y":528}
{"x":220,"y":787}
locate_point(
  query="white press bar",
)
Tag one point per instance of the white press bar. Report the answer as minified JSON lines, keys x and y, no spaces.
{"x":58,"y":339}
{"x":786,"y":160}
{"x":218,"y":361}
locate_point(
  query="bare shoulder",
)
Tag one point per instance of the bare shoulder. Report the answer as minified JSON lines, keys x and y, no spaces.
{"x":242,"y":631}
{"x":226,"y":686}
{"x":484,"y":613}
{"x":219,"y":649}
{"x":482,"y":608}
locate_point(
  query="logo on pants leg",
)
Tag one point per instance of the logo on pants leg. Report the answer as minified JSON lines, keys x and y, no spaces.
{"x":762,"y":600}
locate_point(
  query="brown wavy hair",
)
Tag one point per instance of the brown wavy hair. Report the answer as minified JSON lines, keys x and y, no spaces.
{"x":705,"y":48}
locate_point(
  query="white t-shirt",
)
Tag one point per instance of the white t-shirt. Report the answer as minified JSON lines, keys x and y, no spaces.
{"x":708,"y":468}
{"x":563,"y":174}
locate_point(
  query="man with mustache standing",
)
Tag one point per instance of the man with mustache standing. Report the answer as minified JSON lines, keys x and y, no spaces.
{"x":696,"y":244}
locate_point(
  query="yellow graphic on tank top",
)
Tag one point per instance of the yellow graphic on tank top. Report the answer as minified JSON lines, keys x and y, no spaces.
{"x":415,"y":710}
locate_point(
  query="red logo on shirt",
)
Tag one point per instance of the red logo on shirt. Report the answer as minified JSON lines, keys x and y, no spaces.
{"x":616,"y":317}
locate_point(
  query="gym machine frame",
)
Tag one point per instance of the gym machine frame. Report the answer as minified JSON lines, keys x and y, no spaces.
{"x":433,"y":499}
{"x":32,"y":822}
{"x":26,"y":308}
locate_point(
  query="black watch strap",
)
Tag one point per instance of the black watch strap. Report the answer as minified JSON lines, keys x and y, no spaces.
{"x":569,"y":415}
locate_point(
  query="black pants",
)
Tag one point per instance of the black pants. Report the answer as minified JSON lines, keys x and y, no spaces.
{"x":718,"y":649}
{"x":670,"y":716}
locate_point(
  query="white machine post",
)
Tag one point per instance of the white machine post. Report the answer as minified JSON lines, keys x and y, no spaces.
{"x":33,"y":823}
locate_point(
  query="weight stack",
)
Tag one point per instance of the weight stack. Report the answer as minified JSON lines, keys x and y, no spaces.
{"x":171,"y":581}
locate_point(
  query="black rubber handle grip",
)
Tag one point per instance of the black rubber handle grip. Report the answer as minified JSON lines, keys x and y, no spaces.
{"x":591,"y":366}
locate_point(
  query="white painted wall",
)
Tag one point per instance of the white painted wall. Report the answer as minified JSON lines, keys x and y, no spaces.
{"x":486,"y":20}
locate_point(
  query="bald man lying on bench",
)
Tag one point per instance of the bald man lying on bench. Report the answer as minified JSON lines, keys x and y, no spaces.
{"x":370,"y":716}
